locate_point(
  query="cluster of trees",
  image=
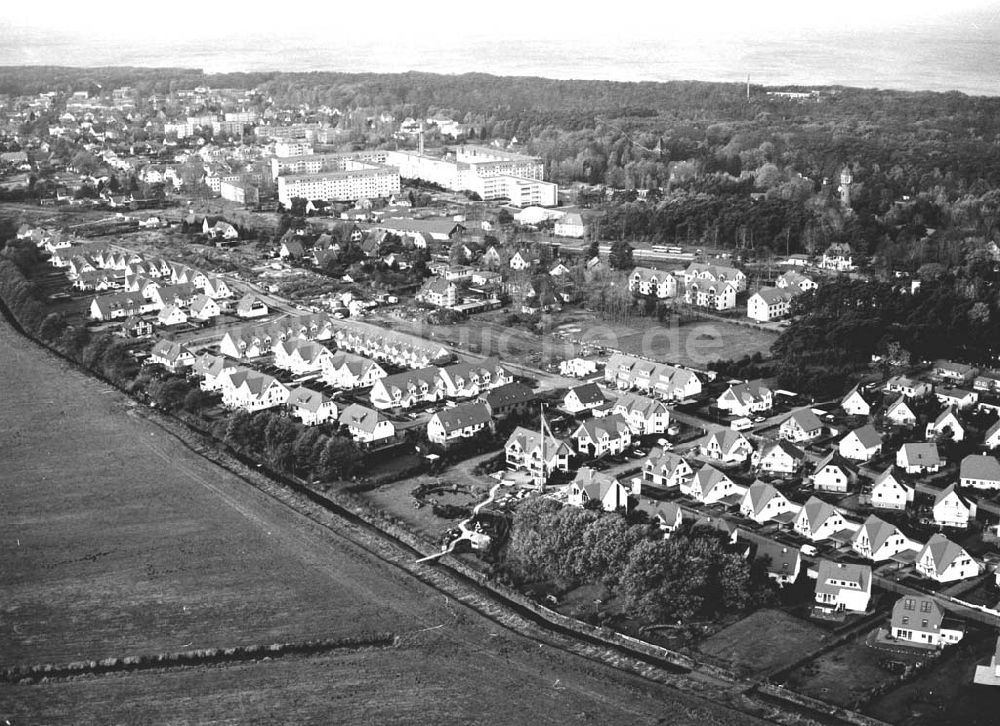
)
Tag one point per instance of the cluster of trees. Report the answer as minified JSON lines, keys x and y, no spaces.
{"x":842,"y":324}
{"x":689,"y":575}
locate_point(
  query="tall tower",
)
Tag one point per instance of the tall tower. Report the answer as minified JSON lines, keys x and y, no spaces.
{"x":846,"y":179}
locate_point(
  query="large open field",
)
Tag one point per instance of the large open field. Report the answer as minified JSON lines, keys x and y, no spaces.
{"x":764,"y":641}
{"x":117,"y":540}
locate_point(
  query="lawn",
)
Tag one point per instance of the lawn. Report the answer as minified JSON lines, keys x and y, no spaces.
{"x":764,"y":641}
{"x":120,"y":541}
{"x":847,"y":673}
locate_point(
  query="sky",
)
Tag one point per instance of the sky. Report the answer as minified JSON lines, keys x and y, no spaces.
{"x":395,"y":19}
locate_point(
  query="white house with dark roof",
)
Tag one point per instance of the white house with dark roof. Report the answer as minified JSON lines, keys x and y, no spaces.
{"x":979,"y":471}
{"x":991,"y":440}
{"x":171,"y":315}
{"x":709,"y":485}
{"x":919,"y":619}
{"x":889,"y":491}
{"x":951,"y":509}
{"x":801,"y":425}
{"x":509,"y":399}
{"x":700,"y":272}
{"x":300,"y":356}
{"x":763,"y":502}
{"x":877,"y":540}
{"x":856,"y":404}
{"x":210,"y":368}
{"x":366,"y":425}
{"x":834,"y":473}
{"x":744,"y":399}
{"x":665,"y":470}
{"x":644,"y":415}
{"x":942,"y":560}
{"x":251,"y":390}
{"x":843,"y":587}
{"x":817,"y":520}
{"x":216,"y":288}
{"x":726,"y":445}
{"x":956,"y":372}
{"x":778,"y":457}
{"x":861,"y":444}
{"x":583,"y":398}
{"x":458,"y":422}
{"x":957,"y":398}
{"x":665,"y":515}
{"x":782,"y":562}
{"x":946,"y":424}
{"x":204,"y":308}
{"x":349,"y":370}
{"x":526,"y":450}
{"x":899,"y":413}
{"x":918,"y":458}
{"x":908,"y":387}
{"x":590,"y":485}
{"x":407,"y":389}
{"x":650,"y":282}
{"x":770,"y":303}
{"x":795,"y":280}
{"x":171,"y":355}
{"x":311,"y":407}
{"x":597,"y":437}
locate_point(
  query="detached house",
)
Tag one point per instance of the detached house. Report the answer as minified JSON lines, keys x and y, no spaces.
{"x":838,"y":257}
{"x":878,"y":540}
{"x":834,"y":473}
{"x":944,"y":425}
{"x":665,"y":470}
{"x":843,"y":587}
{"x":644,"y":415}
{"x":802,"y":425}
{"x":251,"y":306}
{"x":726,"y":445}
{"x":891,"y":492}
{"x":666,"y":515}
{"x":311,"y":407}
{"x":597,"y":437}
{"x":301,"y":356}
{"x":590,"y":485}
{"x":958,"y":373}
{"x":992,"y":438}
{"x":770,"y":303}
{"x":951,"y":509}
{"x":744,"y":399}
{"x":171,"y":355}
{"x":908,"y":387}
{"x":919,"y":619}
{"x":120,"y":306}
{"x":942,"y":560}
{"x":856,"y":404}
{"x":781,"y":562}
{"x":918,"y":458}
{"x":204,"y":308}
{"x":583,"y":398}
{"x":980,"y":471}
{"x":779,"y":457}
{"x":899,"y":413}
{"x":366,"y":425}
{"x":796,"y":281}
{"x":817,"y":520}
{"x":709,"y":485}
{"x":713,"y":295}
{"x":407,"y":389}
{"x":458,"y":422}
{"x":526,"y":450}
{"x":210,"y":368}
{"x":171,"y":315}
{"x":957,"y":398}
{"x":861,"y":444}
{"x":762,"y":503}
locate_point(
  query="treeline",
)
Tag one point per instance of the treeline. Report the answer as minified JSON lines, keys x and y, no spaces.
{"x":839,"y":326}
{"x":690,"y":575}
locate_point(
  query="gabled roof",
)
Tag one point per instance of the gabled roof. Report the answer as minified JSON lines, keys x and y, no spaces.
{"x":707,"y":478}
{"x":749,"y":392}
{"x":920,"y":608}
{"x":509,"y":394}
{"x":307,"y":398}
{"x":942,"y":550}
{"x":634,"y":402}
{"x":806,"y":419}
{"x":464,"y":416}
{"x":948,"y":417}
{"x":666,"y":460}
{"x":361,"y":417}
{"x":596,"y":484}
{"x":774,"y":295}
{"x":759,"y":494}
{"x":816,"y":512}
{"x":842,"y":572}
{"x":947,"y":492}
{"x":835,"y":459}
{"x":528,"y":440}
{"x":921,"y":454}
{"x":980,"y":466}
{"x":588,"y":393}
{"x":889,"y":476}
{"x":899,"y":403}
{"x":868,"y":436}
{"x":169,"y":350}
{"x":357,"y":365}
{"x":208,"y":364}
{"x":785,"y":447}
{"x":665,"y":512}
{"x":878,"y":531}
{"x":613,"y":426}
{"x":992,"y":431}
{"x":727,"y":439}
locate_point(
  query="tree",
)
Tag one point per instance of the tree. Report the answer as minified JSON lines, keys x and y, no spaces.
{"x":593,"y":249}
{"x":339,"y":457}
{"x":620,"y":256}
